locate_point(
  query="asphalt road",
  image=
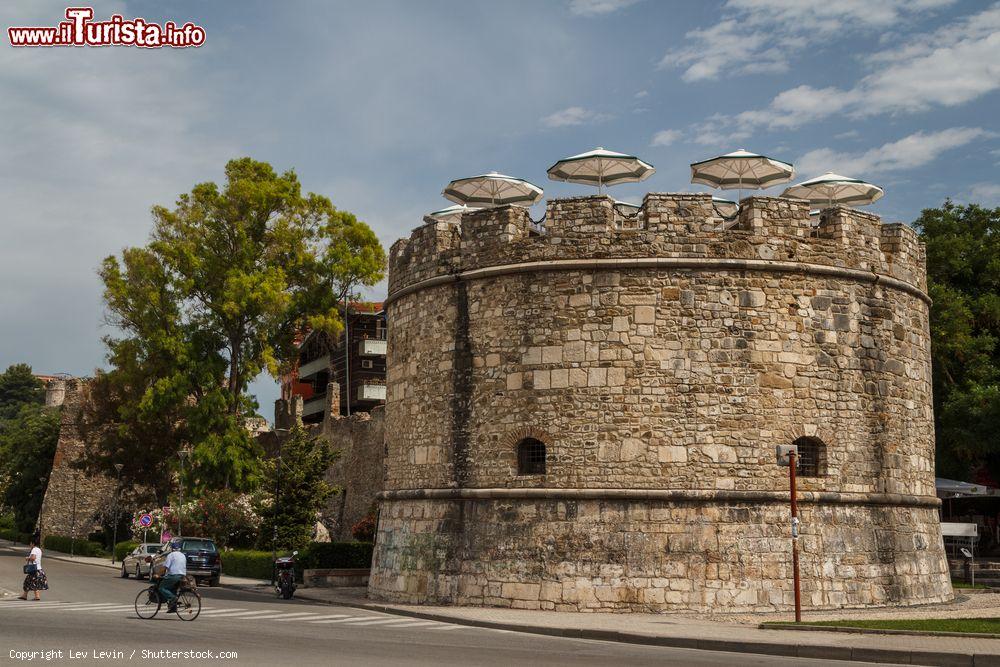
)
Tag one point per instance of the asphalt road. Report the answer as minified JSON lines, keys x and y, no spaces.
{"x":88,"y":610}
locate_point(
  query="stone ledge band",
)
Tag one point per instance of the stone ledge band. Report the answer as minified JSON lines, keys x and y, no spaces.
{"x":665,"y":495}
{"x":716,"y":264}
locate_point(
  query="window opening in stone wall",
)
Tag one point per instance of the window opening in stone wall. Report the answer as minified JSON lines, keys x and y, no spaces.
{"x":811,"y":457}
{"x":530,"y":457}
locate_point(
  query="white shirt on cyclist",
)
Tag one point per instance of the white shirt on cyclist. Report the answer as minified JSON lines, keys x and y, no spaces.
{"x":176,"y":563}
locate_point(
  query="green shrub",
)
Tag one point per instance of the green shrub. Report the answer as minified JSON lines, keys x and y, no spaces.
{"x":323,"y":555}
{"x":78,"y":546}
{"x":123,"y":549}
{"x":248,"y":564}
{"x":14,"y":536}
{"x":6,"y":521}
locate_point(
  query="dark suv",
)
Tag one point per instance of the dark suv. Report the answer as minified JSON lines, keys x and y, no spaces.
{"x":203,"y":560}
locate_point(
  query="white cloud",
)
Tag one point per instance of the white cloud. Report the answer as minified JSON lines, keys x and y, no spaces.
{"x":573,"y":116}
{"x":641,"y":94}
{"x":763,"y":36}
{"x":986,"y":194}
{"x":915,"y":150}
{"x":598,"y":7}
{"x":951,"y":66}
{"x":665,"y":137}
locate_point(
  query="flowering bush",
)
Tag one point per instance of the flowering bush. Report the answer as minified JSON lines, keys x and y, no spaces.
{"x":226,"y":517}
{"x":364,"y":530}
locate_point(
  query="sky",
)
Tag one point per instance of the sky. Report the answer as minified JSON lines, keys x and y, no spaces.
{"x":379,"y":104}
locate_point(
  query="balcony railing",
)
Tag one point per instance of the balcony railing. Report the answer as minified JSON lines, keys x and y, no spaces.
{"x":372,"y":347}
{"x":371,"y":391}
{"x":314,"y":405}
{"x":317,"y":365}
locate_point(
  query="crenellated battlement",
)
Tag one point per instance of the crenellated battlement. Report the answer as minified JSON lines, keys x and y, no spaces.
{"x":680,"y":226}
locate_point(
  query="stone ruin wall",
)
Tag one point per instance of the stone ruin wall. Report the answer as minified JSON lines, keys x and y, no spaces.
{"x":357,"y":472}
{"x":94,"y":493}
{"x":660,"y":364}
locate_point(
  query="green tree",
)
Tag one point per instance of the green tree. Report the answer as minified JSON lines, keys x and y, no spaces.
{"x":18,"y":386}
{"x":229,"y":277}
{"x":963,"y":272}
{"x":304,"y":490}
{"x":28,"y":436}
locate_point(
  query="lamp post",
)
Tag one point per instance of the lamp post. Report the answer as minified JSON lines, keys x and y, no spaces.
{"x":118,"y":489}
{"x":280,"y":434}
{"x":182,"y":454}
{"x":72,"y":531}
{"x":787,"y":455}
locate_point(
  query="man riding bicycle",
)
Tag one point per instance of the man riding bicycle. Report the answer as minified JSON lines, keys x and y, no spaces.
{"x":176,"y":564}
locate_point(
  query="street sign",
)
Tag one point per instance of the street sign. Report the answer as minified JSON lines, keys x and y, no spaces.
{"x":146,"y":520}
{"x":782,"y":452}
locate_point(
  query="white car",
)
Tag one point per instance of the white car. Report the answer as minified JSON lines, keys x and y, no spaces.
{"x":140,"y":561}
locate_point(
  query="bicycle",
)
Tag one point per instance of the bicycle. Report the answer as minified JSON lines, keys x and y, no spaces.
{"x":149,"y":600}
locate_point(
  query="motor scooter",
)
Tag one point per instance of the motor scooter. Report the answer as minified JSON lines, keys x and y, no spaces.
{"x":284,"y":581}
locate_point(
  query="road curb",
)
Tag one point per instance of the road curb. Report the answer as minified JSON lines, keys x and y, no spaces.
{"x":786,"y":649}
{"x":878,"y":631}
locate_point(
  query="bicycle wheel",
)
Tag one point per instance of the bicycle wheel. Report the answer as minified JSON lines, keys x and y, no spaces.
{"x":147,"y":603}
{"x":188,"y":605}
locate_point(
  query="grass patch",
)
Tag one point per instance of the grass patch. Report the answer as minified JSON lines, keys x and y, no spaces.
{"x":965,"y":584}
{"x":964,"y":625}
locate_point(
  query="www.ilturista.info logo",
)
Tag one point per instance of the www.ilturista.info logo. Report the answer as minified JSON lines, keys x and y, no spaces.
{"x":80,"y":30}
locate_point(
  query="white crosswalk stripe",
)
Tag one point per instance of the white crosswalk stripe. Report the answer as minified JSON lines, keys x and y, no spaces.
{"x":220,"y":611}
{"x":241,"y":613}
{"x":373,"y":621}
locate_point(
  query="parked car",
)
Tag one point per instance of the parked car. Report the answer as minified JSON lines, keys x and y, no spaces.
{"x":140,"y":561}
{"x":203,"y":560}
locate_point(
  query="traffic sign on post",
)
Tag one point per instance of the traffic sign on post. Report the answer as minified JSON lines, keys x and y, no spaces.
{"x":146,"y":520}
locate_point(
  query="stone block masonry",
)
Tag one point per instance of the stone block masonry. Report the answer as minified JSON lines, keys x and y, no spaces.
{"x":74,"y":501}
{"x":654,"y":369}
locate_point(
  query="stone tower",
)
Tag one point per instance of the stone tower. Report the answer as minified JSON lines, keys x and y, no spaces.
{"x":583,"y":415}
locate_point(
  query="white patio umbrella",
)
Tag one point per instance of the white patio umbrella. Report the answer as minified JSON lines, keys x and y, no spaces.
{"x":601,"y":167}
{"x":492,"y":189}
{"x":727,"y":208}
{"x":741,"y":170}
{"x":452,"y":213}
{"x":830,"y":189}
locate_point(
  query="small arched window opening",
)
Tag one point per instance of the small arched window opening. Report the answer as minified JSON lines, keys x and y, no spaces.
{"x":530,"y":457}
{"x":811,"y":459}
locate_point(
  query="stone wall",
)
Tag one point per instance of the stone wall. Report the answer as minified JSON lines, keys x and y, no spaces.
{"x":69,"y":489}
{"x":660,"y":366}
{"x":358,"y":471}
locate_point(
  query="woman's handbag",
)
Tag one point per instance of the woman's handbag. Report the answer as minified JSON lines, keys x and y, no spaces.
{"x":30,"y":568}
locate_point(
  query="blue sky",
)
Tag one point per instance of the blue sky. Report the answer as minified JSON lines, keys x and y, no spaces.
{"x":379,"y":104}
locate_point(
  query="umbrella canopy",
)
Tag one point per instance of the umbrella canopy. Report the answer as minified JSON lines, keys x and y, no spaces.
{"x":452,"y":213}
{"x":741,"y":170}
{"x":830,"y":189}
{"x":493,"y":189}
{"x":601,"y":167}
{"x":727,"y":208}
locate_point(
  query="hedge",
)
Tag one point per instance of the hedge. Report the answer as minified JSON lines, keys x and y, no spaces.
{"x":123,"y":549}
{"x":336,"y":555}
{"x":259,"y":564}
{"x":14,"y":536}
{"x":246,"y":563}
{"x":79,"y":547}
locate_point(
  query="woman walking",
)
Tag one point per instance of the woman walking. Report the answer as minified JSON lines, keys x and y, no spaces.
{"x":34,"y":577}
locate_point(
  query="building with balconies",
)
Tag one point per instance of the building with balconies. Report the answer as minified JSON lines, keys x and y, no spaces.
{"x":358,"y":369}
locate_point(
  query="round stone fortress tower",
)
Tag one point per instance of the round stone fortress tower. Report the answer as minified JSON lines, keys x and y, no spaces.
{"x":583,"y":416}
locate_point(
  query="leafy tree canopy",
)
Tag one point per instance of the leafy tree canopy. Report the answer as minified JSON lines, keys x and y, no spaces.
{"x":230,"y":275}
{"x":19,"y":386}
{"x":963,"y":271}
{"x":300,"y":474}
